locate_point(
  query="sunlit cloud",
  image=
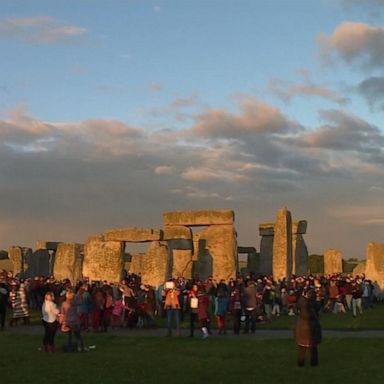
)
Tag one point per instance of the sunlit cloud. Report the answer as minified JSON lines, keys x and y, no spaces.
{"x":39,"y":30}
{"x":287,"y":91}
{"x":355,"y":42}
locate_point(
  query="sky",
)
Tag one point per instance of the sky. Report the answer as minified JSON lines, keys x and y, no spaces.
{"x":113,"y":112}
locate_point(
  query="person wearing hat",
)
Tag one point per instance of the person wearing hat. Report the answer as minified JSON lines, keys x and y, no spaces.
{"x":308,"y":334}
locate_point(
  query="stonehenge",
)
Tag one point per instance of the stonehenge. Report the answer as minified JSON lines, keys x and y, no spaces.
{"x":199,"y":243}
{"x":283,"y":251}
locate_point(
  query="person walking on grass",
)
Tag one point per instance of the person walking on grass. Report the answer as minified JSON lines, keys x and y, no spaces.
{"x":50,"y":314}
{"x":308,"y":334}
{"x":203,"y":314}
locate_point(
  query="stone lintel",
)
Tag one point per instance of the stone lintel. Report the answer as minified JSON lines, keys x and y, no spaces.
{"x":133,"y":234}
{"x":199,"y":218}
{"x":177,"y":232}
{"x":48,"y":245}
{"x":299,"y":227}
{"x":267,"y":229}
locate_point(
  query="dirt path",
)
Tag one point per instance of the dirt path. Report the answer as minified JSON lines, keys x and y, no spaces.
{"x":260,"y":334}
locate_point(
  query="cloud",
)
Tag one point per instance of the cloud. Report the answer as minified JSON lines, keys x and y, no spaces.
{"x":66,"y":181}
{"x":164,"y":170}
{"x":287,"y":91}
{"x":39,"y":30}
{"x":255,"y":117}
{"x":200,"y":194}
{"x":355,"y":42}
{"x":373,"y":91}
{"x":345,"y":132}
{"x":185,"y":102}
{"x":156,"y":87}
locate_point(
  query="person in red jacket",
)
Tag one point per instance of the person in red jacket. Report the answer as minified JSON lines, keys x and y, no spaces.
{"x":203,"y":305}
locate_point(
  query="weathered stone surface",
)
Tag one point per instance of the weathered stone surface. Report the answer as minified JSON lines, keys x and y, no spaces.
{"x":155,"y":266}
{"x":68,"y":262}
{"x":266,"y":255}
{"x":182,"y":263}
{"x":136,"y":263}
{"x":282,"y":245}
{"x":195,"y":250}
{"x":299,"y":255}
{"x":177,"y":232}
{"x":133,"y":234}
{"x":267,"y":229}
{"x":360,"y":268}
{"x":375,"y":265}
{"x":217,"y":252}
{"x":103,"y":260}
{"x":333,"y":261}
{"x":49,"y":245}
{"x":15,"y":254}
{"x":299,"y":227}
{"x":199,"y":218}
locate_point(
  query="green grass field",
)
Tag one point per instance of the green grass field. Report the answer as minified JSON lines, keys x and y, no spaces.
{"x":183,"y":360}
{"x":133,"y":359}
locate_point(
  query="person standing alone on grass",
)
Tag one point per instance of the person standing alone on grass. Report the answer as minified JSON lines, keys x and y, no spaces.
{"x":308,"y":329}
{"x":50,"y":314}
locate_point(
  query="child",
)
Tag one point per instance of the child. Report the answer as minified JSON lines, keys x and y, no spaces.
{"x":117,"y":312}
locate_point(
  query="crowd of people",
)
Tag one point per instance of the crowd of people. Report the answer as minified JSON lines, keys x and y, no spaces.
{"x":240,"y":302}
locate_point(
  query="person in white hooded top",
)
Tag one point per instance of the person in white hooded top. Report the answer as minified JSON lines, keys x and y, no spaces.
{"x":50,"y":314}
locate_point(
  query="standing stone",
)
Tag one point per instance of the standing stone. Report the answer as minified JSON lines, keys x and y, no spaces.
{"x":68,"y":262}
{"x":266,"y":232}
{"x":333,"y":262}
{"x":36,"y":263}
{"x":182,"y":263}
{"x":360,"y":269}
{"x":375,"y":265}
{"x":299,"y":249}
{"x":219,"y":254}
{"x":282,"y":245}
{"x":15,"y":254}
{"x":196,"y":247}
{"x":103,"y":260}
{"x":253,"y":258}
{"x":155,"y":266}
{"x":180,"y":244}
